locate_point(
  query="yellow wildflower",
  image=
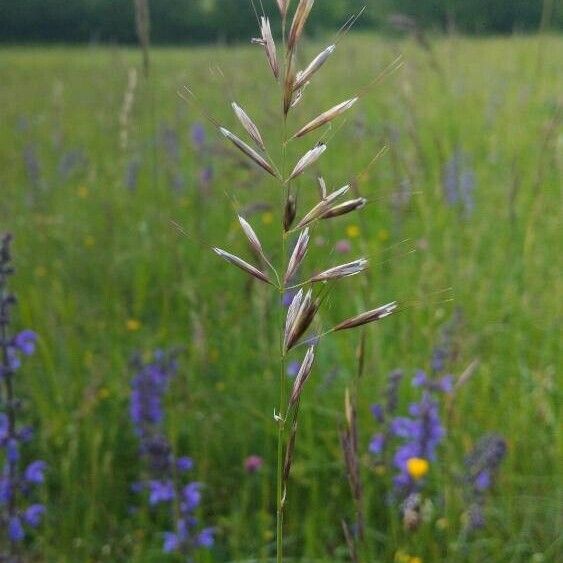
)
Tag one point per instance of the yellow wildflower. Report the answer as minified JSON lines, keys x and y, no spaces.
{"x":267,"y":218}
{"x":83,"y":192}
{"x":133,"y":325}
{"x":103,"y":393}
{"x":417,"y":467}
{"x":352,"y":231}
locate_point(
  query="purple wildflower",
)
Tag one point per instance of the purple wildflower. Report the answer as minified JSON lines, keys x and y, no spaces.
{"x":165,"y":472}
{"x":458,"y":181}
{"x":293,"y":368}
{"x":253,"y":463}
{"x":481,"y":465}
{"x":15,"y":487}
{"x":198,"y":136}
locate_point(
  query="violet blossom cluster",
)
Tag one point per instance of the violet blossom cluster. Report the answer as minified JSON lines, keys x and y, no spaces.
{"x":411,"y":440}
{"x":18,"y":514}
{"x":165,"y":477}
{"x":481,"y":467}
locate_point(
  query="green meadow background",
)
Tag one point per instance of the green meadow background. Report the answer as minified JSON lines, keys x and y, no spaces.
{"x":101,"y":274}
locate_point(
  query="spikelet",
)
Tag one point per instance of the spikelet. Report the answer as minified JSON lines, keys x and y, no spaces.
{"x":248,"y":151}
{"x":325,"y":117}
{"x":240,"y":263}
{"x":289,"y":96}
{"x":367,"y":317}
{"x":322,"y":187}
{"x":289,"y":451}
{"x":298,"y":254}
{"x":307,"y":160}
{"x":299,"y":19}
{"x":344,"y":208}
{"x":267,"y":41}
{"x":248,"y":125}
{"x":322,"y":207}
{"x":302,"y":376}
{"x":290,"y":211}
{"x":303,"y":76}
{"x":251,"y":236}
{"x":300,"y":315}
{"x":342,"y":271}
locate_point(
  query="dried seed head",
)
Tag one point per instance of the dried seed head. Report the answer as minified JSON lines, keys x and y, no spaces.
{"x":309,"y":158}
{"x":248,"y":151}
{"x":251,"y":236}
{"x":300,"y":315}
{"x":289,"y":212}
{"x":289,"y":452}
{"x":302,"y":376}
{"x":325,"y":117}
{"x":267,"y":41}
{"x":299,"y":19}
{"x":303,"y":76}
{"x":322,"y":207}
{"x":288,"y":84}
{"x":367,"y":317}
{"x":298,"y":254}
{"x":344,"y":208}
{"x":240,"y":263}
{"x":248,"y":125}
{"x":342,"y":271}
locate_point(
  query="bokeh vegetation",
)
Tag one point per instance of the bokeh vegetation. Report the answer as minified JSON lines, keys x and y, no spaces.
{"x":197,"y":21}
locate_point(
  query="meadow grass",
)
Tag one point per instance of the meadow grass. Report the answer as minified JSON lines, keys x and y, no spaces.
{"x":101,"y":274}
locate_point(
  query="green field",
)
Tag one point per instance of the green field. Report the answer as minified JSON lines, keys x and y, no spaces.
{"x":101,"y":274}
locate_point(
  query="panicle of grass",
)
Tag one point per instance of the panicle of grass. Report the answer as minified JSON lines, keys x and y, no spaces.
{"x":298,"y":254}
{"x":249,"y":125}
{"x":302,"y":375}
{"x":307,"y":160}
{"x":303,"y":76}
{"x":367,"y":317}
{"x":342,"y":271}
{"x":325,"y":117}
{"x":249,"y":151}
{"x":242,"y":264}
{"x":299,"y":20}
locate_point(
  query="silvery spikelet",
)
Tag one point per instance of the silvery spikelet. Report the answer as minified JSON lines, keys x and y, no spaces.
{"x":242,"y":264}
{"x":307,"y":160}
{"x":267,"y":41}
{"x":302,"y":376}
{"x":342,"y":271}
{"x":344,"y":208}
{"x":251,"y":236}
{"x":326,"y":117}
{"x":299,"y":19}
{"x":248,"y":125}
{"x":367,"y":317}
{"x":303,"y":76}
{"x":298,"y":254}
{"x":318,"y":211}
{"x":248,"y":151}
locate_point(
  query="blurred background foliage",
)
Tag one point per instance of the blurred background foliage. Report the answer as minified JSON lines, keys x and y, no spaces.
{"x":202,"y":21}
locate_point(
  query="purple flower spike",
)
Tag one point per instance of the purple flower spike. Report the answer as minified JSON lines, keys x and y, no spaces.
{"x":15,"y":529}
{"x":378,"y":413}
{"x":192,"y":496}
{"x":25,"y":342}
{"x":253,"y":463}
{"x":34,"y":514}
{"x":377,"y":444}
{"x":34,"y":472}
{"x":171,"y":542}
{"x":206,"y":538}
{"x":161,"y":491}
{"x":184,"y":464}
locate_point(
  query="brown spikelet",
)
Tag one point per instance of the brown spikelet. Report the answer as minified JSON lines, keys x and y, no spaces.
{"x":267,"y":41}
{"x":344,"y":208}
{"x":288,"y":85}
{"x":302,"y":376}
{"x":289,"y":212}
{"x":299,"y":20}
{"x":325,"y":117}
{"x":283,"y":5}
{"x":289,"y":451}
{"x":242,"y":264}
{"x":300,"y":315}
{"x":323,"y":206}
{"x":248,"y":151}
{"x":367,"y":317}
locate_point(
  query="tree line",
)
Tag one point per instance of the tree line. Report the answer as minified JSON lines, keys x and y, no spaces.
{"x":200,"y":21}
